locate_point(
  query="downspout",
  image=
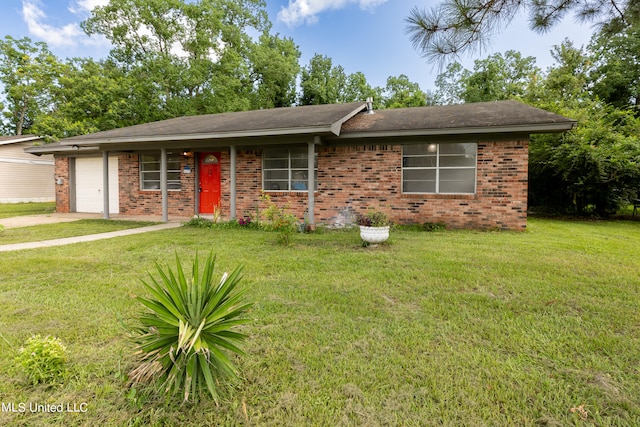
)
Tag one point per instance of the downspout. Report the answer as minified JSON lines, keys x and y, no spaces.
{"x":105,"y":184}
{"x":163,"y":185}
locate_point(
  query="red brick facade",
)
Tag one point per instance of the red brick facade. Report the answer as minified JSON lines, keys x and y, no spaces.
{"x":63,"y":195}
{"x":350,"y":179}
{"x":134,"y":201}
{"x":354,"y":179}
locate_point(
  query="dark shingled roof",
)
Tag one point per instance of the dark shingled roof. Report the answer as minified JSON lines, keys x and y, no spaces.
{"x":333,"y":122}
{"x":483,"y":117}
{"x":276,"y":121}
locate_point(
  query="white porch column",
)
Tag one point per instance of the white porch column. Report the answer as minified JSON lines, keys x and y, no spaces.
{"x":105,"y":184}
{"x":232,"y":183}
{"x":311,"y":184}
{"x":163,"y":185}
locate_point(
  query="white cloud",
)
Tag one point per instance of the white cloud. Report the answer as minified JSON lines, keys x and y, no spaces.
{"x":82,"y":7}
{"x":56,"y":36}
{"x":306,"y":11}
{"x":67,"y":35}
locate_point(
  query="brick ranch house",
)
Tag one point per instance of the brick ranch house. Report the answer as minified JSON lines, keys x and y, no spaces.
{"x":464,"y":165}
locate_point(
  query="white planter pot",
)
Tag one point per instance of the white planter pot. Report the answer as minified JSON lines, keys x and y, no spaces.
{"x":374,"y":234}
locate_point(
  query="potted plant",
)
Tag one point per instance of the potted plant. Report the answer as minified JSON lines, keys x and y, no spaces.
{"x":374,"y":226}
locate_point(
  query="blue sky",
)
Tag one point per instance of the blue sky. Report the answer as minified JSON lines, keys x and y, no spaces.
{"x":360,"y":35}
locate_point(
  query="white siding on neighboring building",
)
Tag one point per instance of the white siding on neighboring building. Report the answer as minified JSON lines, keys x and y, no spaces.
{"x":25,"y":177}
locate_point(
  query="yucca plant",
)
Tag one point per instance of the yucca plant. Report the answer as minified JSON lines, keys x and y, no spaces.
{"x":183,"y":340}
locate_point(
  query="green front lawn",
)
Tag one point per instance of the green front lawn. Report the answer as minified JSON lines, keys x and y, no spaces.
{"x":445,"y":328}
{"x":8,"y":210}
{"x":81,"y":227}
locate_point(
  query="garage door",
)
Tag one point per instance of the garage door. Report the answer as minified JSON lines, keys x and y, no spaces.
{"x":89,"y":185}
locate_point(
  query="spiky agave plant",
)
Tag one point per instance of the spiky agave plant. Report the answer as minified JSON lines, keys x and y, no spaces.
{"x":183,"y":340}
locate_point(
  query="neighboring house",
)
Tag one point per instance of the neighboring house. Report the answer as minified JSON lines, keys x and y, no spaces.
{"x":464,"y":165}
{"x":23,"y":177}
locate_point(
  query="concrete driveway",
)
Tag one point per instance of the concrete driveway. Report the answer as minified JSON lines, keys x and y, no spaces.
{"x":52,"y":218}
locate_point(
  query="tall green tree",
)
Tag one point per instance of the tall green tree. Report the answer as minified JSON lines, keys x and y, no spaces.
{"x":90,"y":96}
{"x":275,"y":68}
{"x":595,"y":167}
{"x":497,"y":77}
{"x":615,"y":74}
{"x":28,"y":71}
{"x":189,"y":57}
{"x":321,"y":82}
{"x":358,"y":89}
{"x":566,"y":84}
{"x":449,"y":87}
{"x":401,"y":92}
{"x":500,"y":77}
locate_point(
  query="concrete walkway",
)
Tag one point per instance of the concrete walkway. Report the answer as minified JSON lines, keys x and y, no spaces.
{"x":29,"y":220}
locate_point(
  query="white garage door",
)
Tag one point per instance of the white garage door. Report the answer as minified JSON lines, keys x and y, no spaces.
{"x":89,"y":185}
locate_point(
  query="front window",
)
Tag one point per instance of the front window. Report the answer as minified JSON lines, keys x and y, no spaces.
{"x":287,"y":169}
{"x":150,"y":171}
{"x":439,"y":168}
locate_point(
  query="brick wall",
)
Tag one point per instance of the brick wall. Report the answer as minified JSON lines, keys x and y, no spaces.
{"x":350,"y":179}
{"x":354,"y":179}
{"x":63,"y":203}
{"x":134,"y":201}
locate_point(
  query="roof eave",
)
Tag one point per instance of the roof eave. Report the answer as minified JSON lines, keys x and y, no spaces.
{"x":56,"y":149}
{"x":21,"y":138}
{"x":519,"y":129}
{"x":313,"y":130}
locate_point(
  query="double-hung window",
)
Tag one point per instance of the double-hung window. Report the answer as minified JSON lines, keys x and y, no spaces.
{"x":150,"y":171}
{"x":445,"y":168}
{"x":287,"y":169}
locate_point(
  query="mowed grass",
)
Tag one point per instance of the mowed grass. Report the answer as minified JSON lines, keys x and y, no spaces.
{"x":8,"y":210}
{"x":66,"y":229}
{"x":446,"y":328}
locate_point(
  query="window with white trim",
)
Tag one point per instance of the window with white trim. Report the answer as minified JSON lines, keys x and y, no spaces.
{"x":286,"y":169}
{"x":444,"y":168}
{"x":150,"y":171}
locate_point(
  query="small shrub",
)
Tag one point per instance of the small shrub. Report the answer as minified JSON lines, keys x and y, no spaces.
{"x":182,"y":340}
{"x":199,"y":222}
{"x":434,"y":226}
{"x":43,"y":359}
{"x":278,"y":219}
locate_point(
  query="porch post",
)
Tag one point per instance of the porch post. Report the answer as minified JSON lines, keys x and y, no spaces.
{"x":105,"y":184}
{"x":311,"y":184}
{"x":163,"y":185}
{"x":232,"y":183}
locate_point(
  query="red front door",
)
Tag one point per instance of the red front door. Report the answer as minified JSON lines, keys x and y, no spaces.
{"x":209,"y":185}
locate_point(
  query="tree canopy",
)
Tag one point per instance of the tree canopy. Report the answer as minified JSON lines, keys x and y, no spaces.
{"x":28,"y":72}
{"x":457,"y":26}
